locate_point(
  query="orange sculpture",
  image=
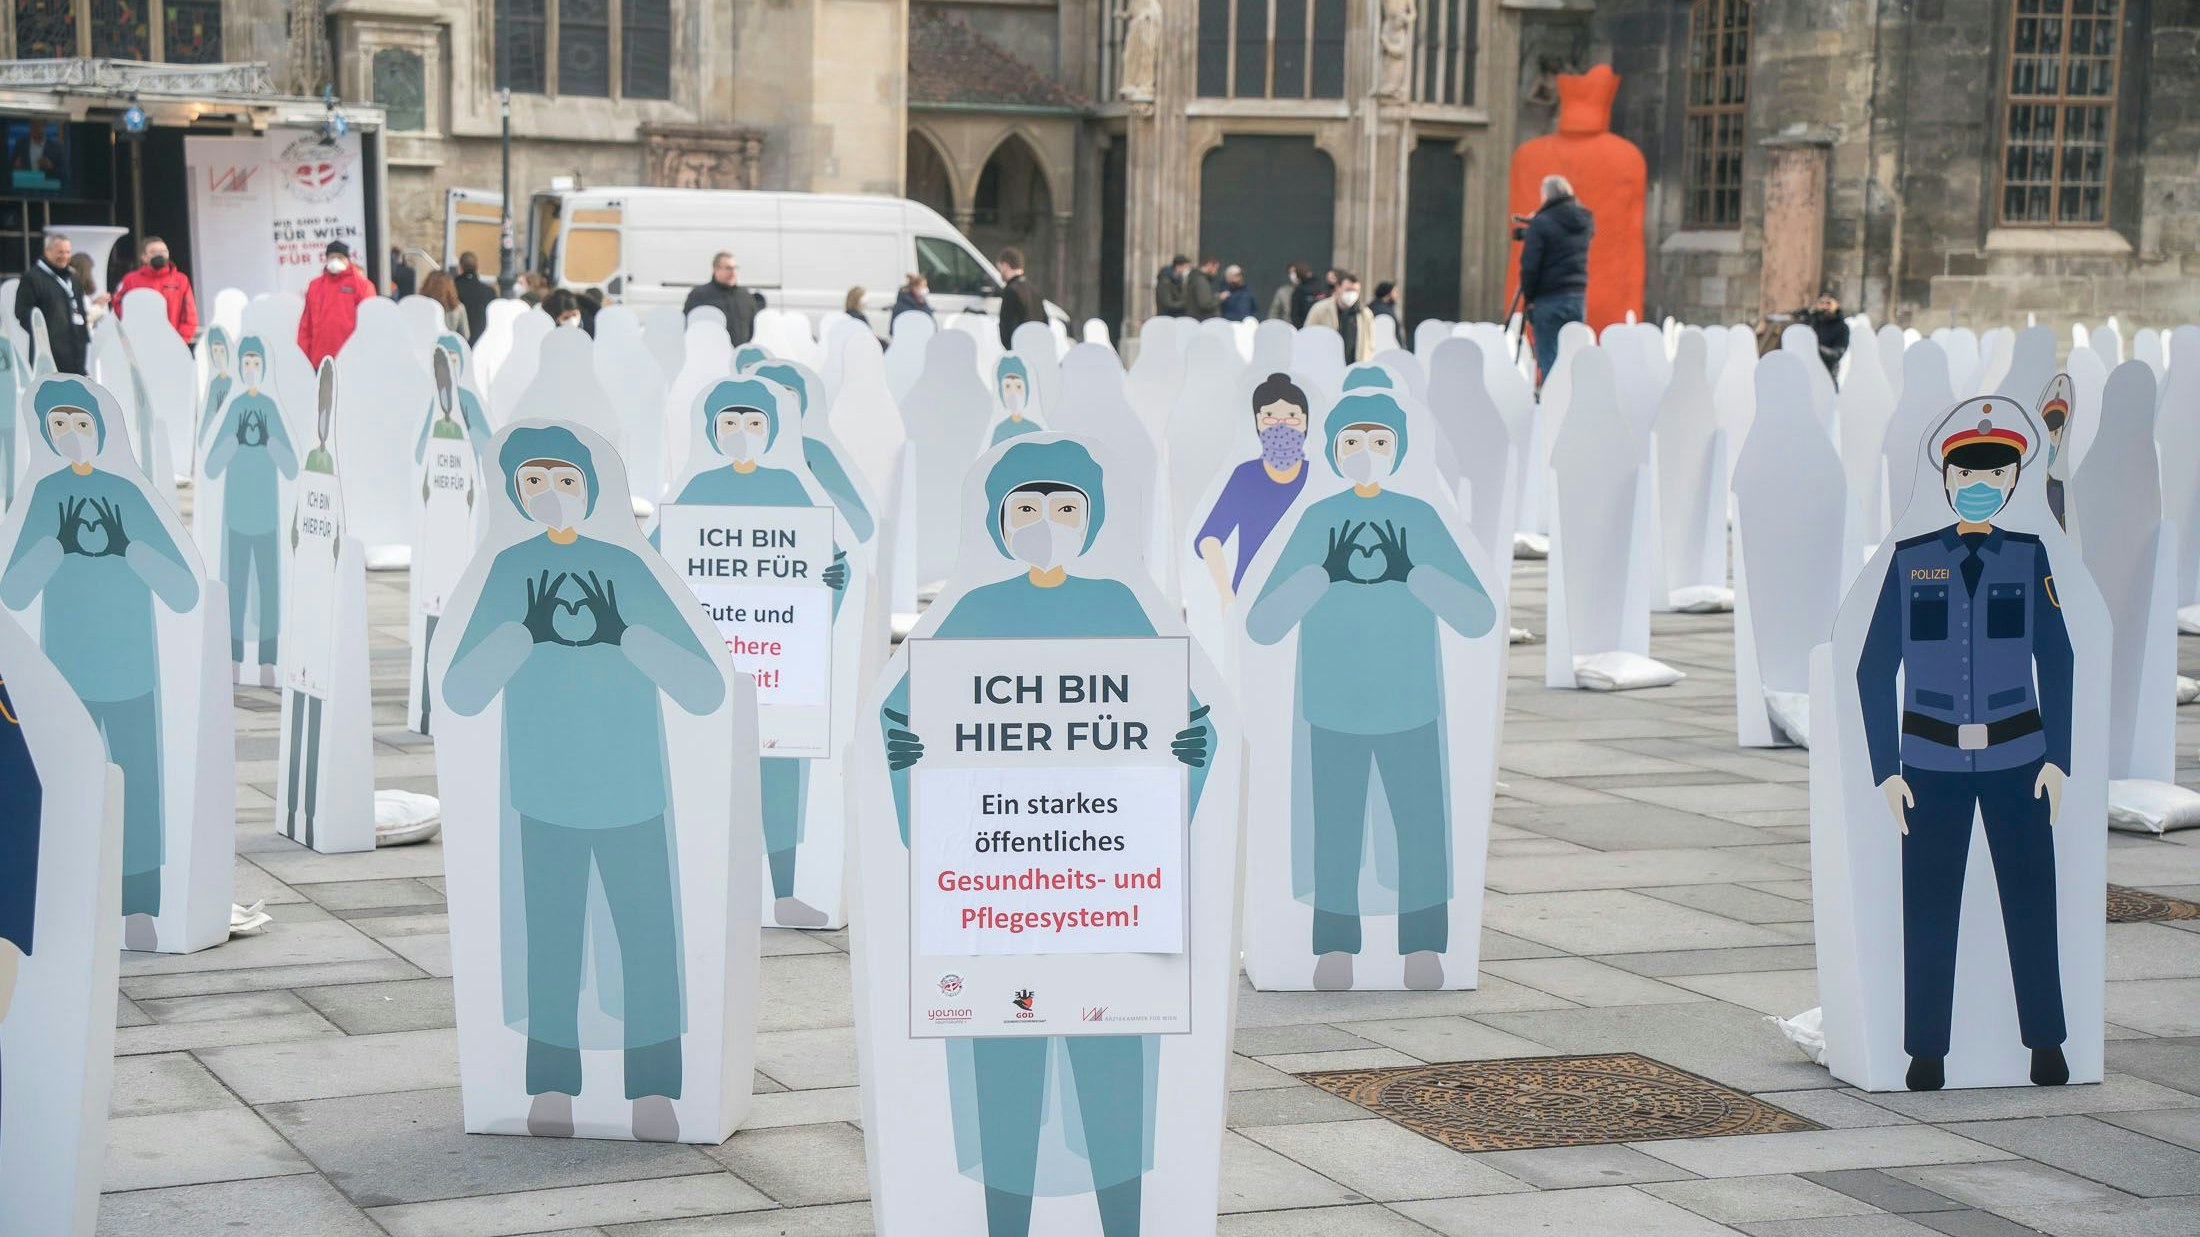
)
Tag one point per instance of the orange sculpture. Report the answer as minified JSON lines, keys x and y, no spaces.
{"x":1609,"y":178}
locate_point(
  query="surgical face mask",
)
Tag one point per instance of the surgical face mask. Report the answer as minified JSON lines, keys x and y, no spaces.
{"x":250,"y":371}
{"x":75,"y":447}
{"x":1281,"y":446}
{"x":1046,"y":544}
{"x":1348,"y":298}
{"x":336,"y":266}
{"x":1012,"y":396}
{"x":554,"y":510}
{"x":740,"y":438}
{"x":1360,"y":467}
{"x":1978,"y":501}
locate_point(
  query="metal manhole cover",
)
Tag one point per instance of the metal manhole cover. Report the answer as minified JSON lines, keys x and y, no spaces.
{"x":2139,"y":906}
{"x":1524,"y":1102}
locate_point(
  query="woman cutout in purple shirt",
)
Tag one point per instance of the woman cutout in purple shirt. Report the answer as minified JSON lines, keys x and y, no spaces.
{"x":1258,"y":491}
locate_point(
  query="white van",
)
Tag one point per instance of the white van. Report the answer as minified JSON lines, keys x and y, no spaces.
{"x":801,"y":251}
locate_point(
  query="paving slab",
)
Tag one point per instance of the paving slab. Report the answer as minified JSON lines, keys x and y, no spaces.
{"x":165,"y":1082}
{"x":1384,"y":1160}
{"x":194,"y":1147}
{"x":1819,"y":1151}
{"x":1997,"y":1184}
{"x":301,"y":1204}
{"x":1605,"y":1209}
{"x":799,"y":1165}
{"x":536,"y":1211}
{"x":1255,"y":1178}
{"x":1746,"y":1200}
{"x":374,"y":1009}
{"x":331,"y":1066}
{"x":1584,"y":982}
{"x":2115,"y":1157}
{"x":1567,"y":1168}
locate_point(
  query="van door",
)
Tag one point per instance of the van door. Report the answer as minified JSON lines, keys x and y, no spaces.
{"x":959,"y":280}
{"x":473,"y":222}
{"x":592,"y":253}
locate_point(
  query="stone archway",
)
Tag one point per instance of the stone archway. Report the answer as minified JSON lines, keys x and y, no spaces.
{"x":1013,"y":203}
{"x":928,"y":179}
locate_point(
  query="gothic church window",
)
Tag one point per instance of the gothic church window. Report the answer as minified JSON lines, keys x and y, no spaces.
{"x":1717,"y":107}
{"x":1272,"y":49}
{"x":604,"y":49}
{"x":174,"y":31}
{"x":2061,"y":112}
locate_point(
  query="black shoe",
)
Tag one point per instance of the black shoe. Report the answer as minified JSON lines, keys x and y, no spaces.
{"x":2048,"y":1067}
{"x":1927,"y":1074}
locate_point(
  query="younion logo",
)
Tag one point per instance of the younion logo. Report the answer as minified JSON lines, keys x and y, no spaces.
{"x":235,"y":179}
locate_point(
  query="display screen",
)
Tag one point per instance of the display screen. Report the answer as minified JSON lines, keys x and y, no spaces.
{"x":38,"y":156}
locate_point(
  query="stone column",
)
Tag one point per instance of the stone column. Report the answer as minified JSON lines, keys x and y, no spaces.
{"x":1795,"y":220}
{"x":1161,"y":217}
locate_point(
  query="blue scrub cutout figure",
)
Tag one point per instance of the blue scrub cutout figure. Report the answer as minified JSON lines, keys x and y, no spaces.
{"x":1012,"y":393}
{"x":1365,"y":577}
{"x":21,"y":801}
{"x":1045,"y":503}
{"x":251,"y":456}
{"x":1981,"y":726}
{"x":741,"y":422}
{"x":578,"y":638}
{"x":11,"y":393}
{"x":97,"y":556}
{"x":469,"y":409}
{"x":748,"y":357}
{"x":825,"y":463}
{"x":217,"y":382}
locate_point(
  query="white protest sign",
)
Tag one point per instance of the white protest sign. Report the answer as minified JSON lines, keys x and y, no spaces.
{"x":1048,"y":820}
{"x":760,"y":575}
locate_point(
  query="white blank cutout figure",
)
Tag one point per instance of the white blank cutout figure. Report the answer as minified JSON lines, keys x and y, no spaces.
{"x":1692,"y":478}
{"x":1601,"y":548}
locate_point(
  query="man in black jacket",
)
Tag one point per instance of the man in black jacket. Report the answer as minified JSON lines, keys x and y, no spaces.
{"x":1202,"y":300}
{"x":1554,"y":267}
{"x":474,"y":293}
{"x":725,"y":294}
{"x":51,"y":287}
{"x":1020,"y":301}
{"x":1168,"y":288}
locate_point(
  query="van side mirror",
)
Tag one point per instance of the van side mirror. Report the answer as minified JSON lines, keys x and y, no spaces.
{"x":616,"y":286}
{"x":986,"y":287}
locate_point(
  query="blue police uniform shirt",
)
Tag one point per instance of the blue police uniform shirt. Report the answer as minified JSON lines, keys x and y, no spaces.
{"x":1989,"y":654}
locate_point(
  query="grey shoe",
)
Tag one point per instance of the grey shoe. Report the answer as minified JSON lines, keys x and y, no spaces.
{"x":139,"y":934}
{"x":654,"y":1120}
{"x":1424,"y":971}
{"x":796,"y":913}
{"x":551,"y":1115}
{"x":1333,"y":972}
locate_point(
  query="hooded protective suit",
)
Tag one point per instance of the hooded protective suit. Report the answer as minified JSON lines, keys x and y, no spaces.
{"x":578,"y":637}
{"x":1016,"y":420}
{"x":476,"y":422}
{"x":1365,"y":577}
{"x":96,"y":554}
{"x":250,"y":456}
{"x":1050,"y":1115}
{"x":825,"y":464}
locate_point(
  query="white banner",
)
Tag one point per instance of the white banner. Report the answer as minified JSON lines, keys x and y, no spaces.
{"x":264,"y":208}
{"x":760,"y":575}
{"x":1047,"y":837}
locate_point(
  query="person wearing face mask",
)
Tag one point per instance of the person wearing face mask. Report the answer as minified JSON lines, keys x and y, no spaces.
{"x":449,"y":475}
{"x":1342,"y":312}
{"x":1364,"y":579}
{"x":96,"y":554}
{"x":825,"y":463}
{"x":741,"y":423}
{"x":1012,"y":399}
{"x":1968,"y":616}
{"x":2055,"y":404}
{"x":250,"y":454}
{"x":1258,"y":491}
{"x":317,"y":546}
{"x":332,"y":305}
{"x":165,"y":277}
{"x":1045,"y":502}
{"x":578,"y":638}
{"x":218,"y":382}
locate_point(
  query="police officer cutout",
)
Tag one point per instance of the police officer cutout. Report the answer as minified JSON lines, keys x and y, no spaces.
{"x":1968,"y":615}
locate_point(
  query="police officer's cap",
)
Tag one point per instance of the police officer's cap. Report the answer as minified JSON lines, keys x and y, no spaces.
{"x":1987,"y":427}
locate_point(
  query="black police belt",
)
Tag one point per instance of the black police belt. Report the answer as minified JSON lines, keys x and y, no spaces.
{"x":1971,"y":736}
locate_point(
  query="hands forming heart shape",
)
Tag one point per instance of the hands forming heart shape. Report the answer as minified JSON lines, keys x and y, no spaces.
{"x":1344,"y":548}
{"x":599,"y":598}
{"x":252,"y":429}
{"x":106,"y":519}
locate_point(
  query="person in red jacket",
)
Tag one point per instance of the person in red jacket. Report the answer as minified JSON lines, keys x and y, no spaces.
{"x":158,"y":273}
{"x":332,"y":305}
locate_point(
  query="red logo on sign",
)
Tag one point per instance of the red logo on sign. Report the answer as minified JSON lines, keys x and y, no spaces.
{"x":236,"y":179}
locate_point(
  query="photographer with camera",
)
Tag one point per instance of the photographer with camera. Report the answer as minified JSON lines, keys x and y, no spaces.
{"x":1825,"y":321}
{"x":1554,"y":266}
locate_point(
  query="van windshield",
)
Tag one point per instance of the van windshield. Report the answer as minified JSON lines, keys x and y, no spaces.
{"x":950,"y":269}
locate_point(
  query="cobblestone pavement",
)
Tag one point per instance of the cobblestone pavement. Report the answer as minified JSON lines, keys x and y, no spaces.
{"x":1649,"y":892}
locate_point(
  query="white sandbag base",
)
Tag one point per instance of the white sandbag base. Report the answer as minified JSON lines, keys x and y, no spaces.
{"x":2188,"y":620}
{"x":1536,"y":545}
{"x":1701,"y":599}
{"x":1622,"y":672}
{"x":402,"y":818}
{"x":2136,"y":805}
{"x":1790,"y":712}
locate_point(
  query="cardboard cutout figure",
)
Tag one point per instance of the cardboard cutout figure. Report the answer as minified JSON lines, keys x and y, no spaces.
{"x":386,"y":383}
{"x":325,"y":758}
{"x":1156,"y":372}
{"x":123,"y":610}
{"x":794,"y":611}
{"x":1791,"y":555}
{"x":1734,"y":391}
{"x":423,"y":317}
{"x":707,"y":360}
{"x":449,"y":453}
{"x":945,"y":414}
{"x":509,"y":381}
{"x":1553,"y":400}
{"x":822,"y":453}
{"x":1692,"y":477}
{"x":12,"y":375}
{"x":597,"y":760}
{"x":60,"y":887}
{"x":495,"y":342}
{"x":2177,"y":434}
{"x":2058,"y":408}
{"x":249,"y":453}
{"x":110,"y":361}
{"x":164,"y":367}
{"x":1968,"y":688}
{"x":1865,"y":406}
{"x":1062,"y":1115}
{"x":1926,"y":396}
{"x":664,"y":329}
{"x":1801,"y":342}
{"x":1034,"y":344}
{"x":627,"y":371}
{"x":2115,"y":513}
{"x":1601,"y":529}
{"x":865,"y":416}
{"x":1012,"y":401}
{"x":218,"y":374}
{"x":908,"y":353}
{"x":1206,"y":435}
{"x":1373,"y":739}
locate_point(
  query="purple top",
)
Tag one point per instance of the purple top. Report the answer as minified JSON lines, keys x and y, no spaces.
{"x":1251,"y":504}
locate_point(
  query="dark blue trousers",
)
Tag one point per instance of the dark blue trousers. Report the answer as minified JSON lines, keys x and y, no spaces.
{"x":1934,"y":855}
